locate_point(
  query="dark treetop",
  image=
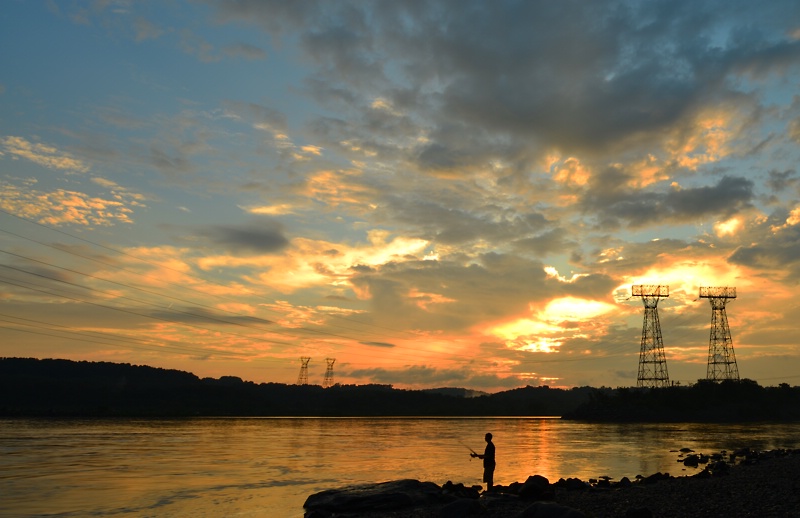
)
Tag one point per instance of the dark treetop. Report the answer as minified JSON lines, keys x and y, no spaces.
{"x":64,"y":388}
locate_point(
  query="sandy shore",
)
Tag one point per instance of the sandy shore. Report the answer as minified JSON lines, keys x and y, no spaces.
{"x":763,"y":484}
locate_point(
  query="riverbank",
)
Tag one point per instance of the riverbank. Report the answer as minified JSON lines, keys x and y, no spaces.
{"x":763,"y":485}
{"x":743,"y":484}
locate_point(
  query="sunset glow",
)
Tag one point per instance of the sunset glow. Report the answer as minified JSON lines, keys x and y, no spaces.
{"x":224,"y":187}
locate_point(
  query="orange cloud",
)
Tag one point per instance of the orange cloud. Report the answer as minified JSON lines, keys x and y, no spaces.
{"x":307,"y":263}
{"x":559,"y":320}
{"x":334,"y":188}
{"x":707,"y":140}
{"x":271,"y":210}
{"x":42,"y":154}
{"x":61,"y":207}
{"x":423,"y":300}
{"x":570,"y":172}
{"x":729,"y":227}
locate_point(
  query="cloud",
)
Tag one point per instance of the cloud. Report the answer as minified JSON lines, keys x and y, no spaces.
{"x":262,"y":117}
{"x":146,"y":30}
{"x":263,"y":237}
{"x":615,"y":204}
{"x":271,"y":210}
{"x":503,"y":96}
{"x":245,"y":51}
{"x":378,"y":344}
{"x":777,"y":251}
{"x":42,"y":154}
{"x":169,"y":164}
{"x":69,"y":207}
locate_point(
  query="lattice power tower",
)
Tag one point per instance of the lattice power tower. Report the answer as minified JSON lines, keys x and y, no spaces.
{"x":302,"y":379}
{"x":721,"y":359}
{"x":328,"y":381}
{"x":652,"y":362}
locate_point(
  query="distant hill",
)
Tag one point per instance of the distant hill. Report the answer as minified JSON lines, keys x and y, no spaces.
{"x":457,"y":392}
{"x":52,"y":387}
{"x":63,"y":388}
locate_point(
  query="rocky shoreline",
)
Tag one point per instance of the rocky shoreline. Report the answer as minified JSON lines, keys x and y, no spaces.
{"x":743,"y":483}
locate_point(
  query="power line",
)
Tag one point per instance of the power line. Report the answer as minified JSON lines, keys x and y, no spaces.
{"x":158,"y":265}
{"x":296,"y":330}
{"x":182,"y":323}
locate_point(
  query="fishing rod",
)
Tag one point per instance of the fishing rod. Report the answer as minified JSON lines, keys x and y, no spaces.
{"x":474,"y":453}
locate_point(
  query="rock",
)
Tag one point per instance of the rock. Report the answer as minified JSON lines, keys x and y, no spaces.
{"x":550,"y":510}
{"x":462,"y":507}
{"x":624,"y":482}
{"x":502,"y":504}
{"x":385,"y":496}
{"x":461,"y":491}
{"x":571,"y":484}
{"x":692,"y":461}
{"x":534,"y":488}
{"x":655,"y":477}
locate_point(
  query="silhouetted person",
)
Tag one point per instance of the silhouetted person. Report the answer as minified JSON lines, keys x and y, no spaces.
{"x":488,"y":461}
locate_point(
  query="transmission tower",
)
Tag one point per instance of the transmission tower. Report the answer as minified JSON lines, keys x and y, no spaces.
{"x":652,"y":362}
{"x":328,"y":381}
{"x":302,"y":379}
{"x":721,"y":359}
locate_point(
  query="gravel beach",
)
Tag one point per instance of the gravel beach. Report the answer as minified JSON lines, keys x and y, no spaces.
{"x":765,"y":484}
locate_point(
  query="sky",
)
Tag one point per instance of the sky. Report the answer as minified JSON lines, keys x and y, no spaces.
{"x":441,"y":193}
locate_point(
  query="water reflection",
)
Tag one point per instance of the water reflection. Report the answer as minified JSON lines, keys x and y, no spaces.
{"x":246,"y":466}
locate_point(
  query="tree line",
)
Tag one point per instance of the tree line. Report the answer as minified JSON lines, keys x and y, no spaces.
{"x":32,"y":387}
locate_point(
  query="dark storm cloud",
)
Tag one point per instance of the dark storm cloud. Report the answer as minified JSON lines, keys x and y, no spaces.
{"x":777,"y":252}
{"x":567,"y":74}
{"x":592,"y":286}
{"x":636,"y":209}
{"x":458,"y":218}
{"x":548,"y":243}
{"x":262,"y":237}
{"x":779,"y":181}
{"x":204,"y":316}
{"x":637,"y":256}
{"x":468,"y":293}
{"x":495,"y":278}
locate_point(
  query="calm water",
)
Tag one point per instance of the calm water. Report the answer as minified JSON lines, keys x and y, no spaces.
{"x":267,"y":467}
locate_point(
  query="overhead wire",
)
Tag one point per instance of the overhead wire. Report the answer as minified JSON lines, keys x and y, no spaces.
{"x":172,"y":321}
{"x":75,"y":298}
{"x":445,"y":356}
{"x":249,"y":322}
{"x":41,"y":324}
{"x":151,"y":263}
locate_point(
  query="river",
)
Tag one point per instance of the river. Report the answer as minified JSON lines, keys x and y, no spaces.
{"x":268,"y":466}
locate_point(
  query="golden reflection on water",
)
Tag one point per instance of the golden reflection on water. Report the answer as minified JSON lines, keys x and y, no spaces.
{"x":248,"y":467}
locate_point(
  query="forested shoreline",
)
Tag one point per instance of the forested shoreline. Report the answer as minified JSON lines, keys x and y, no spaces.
{"x":64,"y":388}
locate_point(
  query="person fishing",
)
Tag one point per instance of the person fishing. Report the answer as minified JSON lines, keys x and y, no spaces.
{"x":488,"y":461}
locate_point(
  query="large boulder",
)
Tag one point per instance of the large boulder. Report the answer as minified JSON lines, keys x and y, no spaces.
{"x":384,"y":496}
{"x":536,"y":487}
{"x":571,"y":484}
